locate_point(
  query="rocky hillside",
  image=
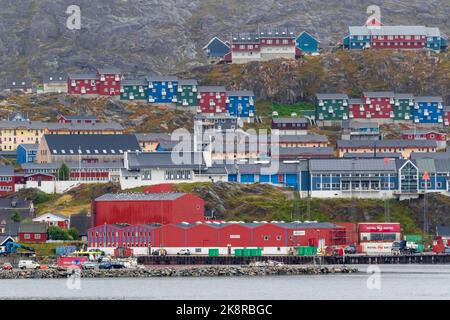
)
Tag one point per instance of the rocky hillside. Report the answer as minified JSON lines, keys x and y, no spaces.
{"x":164,"y":36}
{"x":284,"y":81}
{"x":134,"y":116}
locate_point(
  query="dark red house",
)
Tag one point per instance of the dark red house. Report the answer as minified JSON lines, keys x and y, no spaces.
{"x":109,"y":81}
{"x":33,"y":232}
{"x":212,"y":99}
{"x":105,"y":82}
{"x":147,"y":208}
{"x":6,"y":179}
{"x":77,"y":119}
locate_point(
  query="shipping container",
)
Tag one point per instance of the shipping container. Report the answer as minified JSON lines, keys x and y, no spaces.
{"x":65,"y":250}
{"x":413,"y":238}
{"x":70,"y":262}
{"x":377,"y":248}
{"x":213,"y":252}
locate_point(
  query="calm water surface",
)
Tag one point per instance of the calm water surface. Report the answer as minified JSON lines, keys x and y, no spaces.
{"x":396,"y":282}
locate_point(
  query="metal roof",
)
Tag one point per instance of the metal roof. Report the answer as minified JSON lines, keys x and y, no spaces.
{"x":55,"y":78}
{"x":442,"y":165}
{"x":6,"y":170}
{"x":109,"y":70}
{"x":133,"y":82}
{"x":318,"y":151}
{"x":187,"y":82}
{"x":301,"y":138}
{"x":83,"y":76}
{"x":29,"y":146}
{"x":245,"y":37}
{"x":399,"y":30}
{"x":420,"y":131}
{"x":386,"y":143}
{"x":22,"y":124}
{"x":379,"y":155}
{"x":328,"y":96}
{"x":351,"y":165}
{"x":359,"y":124}
{"x":378,"y":94}
{"x":431,"y":155}
{"x":277,"y":32}
{"x":409,"y":96}
{"x":79,"y":117}
{"x":241,"y":93}
{"x":99,"y":144}
{"x":290,"y":120}
{"x":429,"y":99}
{"x":273,"y":167}
{"x":84,"y":126}
{"x":355,"y":101}
{"x":358,"y":30}
{"x":286,"y":225}
{"x":425,"y":165}
{"x":33,"y":228}
{"x":140,"y":196}
{"x":169,"y":159}
{"x":211,"y":89}
{"x":161,"y":78}
{"x":156,"y":137}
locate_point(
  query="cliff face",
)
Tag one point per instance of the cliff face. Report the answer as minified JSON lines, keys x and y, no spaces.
{"x":166,"y":36}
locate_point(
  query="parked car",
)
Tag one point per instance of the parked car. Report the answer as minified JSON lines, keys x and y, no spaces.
{"x":447,"y":250}
{"x":89,"y":265}
{"x":28,"y":264}
{"x":159,"y":252}
{"x":184,"y":252}
{"x":7,"y":266}
{"x":111,"y":265}
{"x":350,"y":249}
{"x":117,"y":265}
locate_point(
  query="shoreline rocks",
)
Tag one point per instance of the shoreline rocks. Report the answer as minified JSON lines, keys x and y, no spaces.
{"x":198,"y":271}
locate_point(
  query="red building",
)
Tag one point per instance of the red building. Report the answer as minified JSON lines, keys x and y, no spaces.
{"x":447,"y":116}
{"x":379,"y":232}
{"x":110,"y":79}
{"x":147,"y":208}
{"x":33,"y":232}
{"x":6,"y":179}
{"x":439,"y":137}
{"x":377,"y":105}
{"x":273,"y":238}
{"x":105,"y":82}
{"x":212,"y":99}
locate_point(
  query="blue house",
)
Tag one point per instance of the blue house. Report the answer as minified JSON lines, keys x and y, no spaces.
{"x":162,"y":89}
{"x":26,"y":153}
{"x":357,"y":38}
{"x":434,"y":40}
{"x":216,"y":48}
{"x":428,"y":110}
{"x":307,"y":43}
{"x":241,"y":103}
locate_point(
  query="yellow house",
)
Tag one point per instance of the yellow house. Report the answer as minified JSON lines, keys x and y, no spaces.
{"x":13,"y":133}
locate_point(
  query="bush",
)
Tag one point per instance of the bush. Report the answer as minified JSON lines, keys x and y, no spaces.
{"x":56,"y":233}
{"x":73,"y":233}
{"x":40,"y":197}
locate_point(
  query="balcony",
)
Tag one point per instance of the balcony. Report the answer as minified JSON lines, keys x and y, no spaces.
{"x":251,"y":102}
{"x":447,"y":122}
{"x":131,"y":97}
{"x":440,"y":120}
{"x":73,"y":84}
{"x":185,"y":103}
{"x":426,"y":113}
{"x":377,"y":108}
{"x":411,"y":103}
{"x":416,"y":120}
{"x":391,"y":101}
{"x":194,"y":89}
{"x":345,"y":103}
{"x":344,"y":116}
{"x":150,"y":86}
{"x":440,"y":105}
{"x":122,"y":90}
{"x":117,"y":77}
{"x":392,"y":115}
{"x":397,"y":103}
{"x":227,"y":101}
{"x":199,"y":96}
{"x":217,"y":96}
{"x":170,"y":86}
{"x":163,"y":93}
{"x":368,"y":115}
{"x":212,"y":103}
{"x":180,"y":89}
{"x":151,"y":99}
{"x":102,"y":78}
{"x":367,"y":101}
{"x":361,"y":108}
{"x":218,"y":110}
{"x":330,"y":110}
{"x":407,"y":117}
{"x":320,"y":103}
{"x":350,"y":115}
{"x":174,"y":99}
{"x":416,"y":106}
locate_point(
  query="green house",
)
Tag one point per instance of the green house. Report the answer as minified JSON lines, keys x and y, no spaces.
{"x":133,"y":89}
{"x":404,"y":103}
{"x":331,"y":106}
{"x":187,"y":93}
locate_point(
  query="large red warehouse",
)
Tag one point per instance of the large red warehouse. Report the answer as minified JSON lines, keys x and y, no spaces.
{"x":147,"y":208}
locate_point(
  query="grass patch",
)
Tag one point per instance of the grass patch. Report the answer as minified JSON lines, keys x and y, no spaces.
{"x":302,"y":108}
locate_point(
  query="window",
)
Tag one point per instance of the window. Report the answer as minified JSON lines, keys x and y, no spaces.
{"x":37,"y":236}
{"x":279,"y":238}
{"x":266,"y":238}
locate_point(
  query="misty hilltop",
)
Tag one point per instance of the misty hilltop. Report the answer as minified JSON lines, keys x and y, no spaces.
{"x":167,"y":36}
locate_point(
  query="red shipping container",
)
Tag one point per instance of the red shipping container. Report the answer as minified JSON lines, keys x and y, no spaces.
{"x":379,"y":227}
{"x":70,"y":262}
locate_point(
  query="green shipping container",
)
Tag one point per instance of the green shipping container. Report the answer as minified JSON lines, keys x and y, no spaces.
{"x":213,"y":252}
{"x":238,"y":252}
{"x":413,"y":238}
{"x":420,"y":247}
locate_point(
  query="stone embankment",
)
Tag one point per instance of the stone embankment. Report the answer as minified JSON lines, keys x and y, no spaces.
{"x":201,"y":271}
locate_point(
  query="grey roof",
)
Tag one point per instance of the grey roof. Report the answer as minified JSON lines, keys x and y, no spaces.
{"x":161,"y":78}
{"x":358,"y":30}
{"x":425,"y":165}
{"x":433,"y":32}
{"x":429,"y":99}
{"x":386,"y":143}
{"x":379,"y":155}
{"x":286,"y":225}
{"x":4,"y":239}
{"x":109,"y":70}
{"x":431,"y":155}
{"x":83,"y":76}
{"x":274,"y":167}
{"x":165,"y":160}
{"x":33,"y":228}
{"x":72,"y":165}
{"x":22,"y":124}
{"x":29,"y":146}
{"x":302,"y":138}
{"x":212,"y":89}
{"x":290,"y":120}
{"x":399,"y":30}
{"x":355,"y":101}
{"x":378,"y":94}
{"x":420,"y":131}
{"x":245,"y":37}
{"x":140,"y":196}
{"x":104,"y":143}
{"x":409,"y":96}
{"x":55,"y":78}
{"x":7,"y":170}
{"x":84,"y":126}
{"x":187,"y":82}
{"x":277,"y":32}
{"x":443,"y":231}
{"x":308,"y":151}
{"x":359,"y":124}
{"x":328,"y":96}
{"x":442,"y":165}
{"x":18,"y":83}
{"x":351,"y":165}
{"x":133,"y":82}
{"x":153,"y":136}
{"x":240,"y":93}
